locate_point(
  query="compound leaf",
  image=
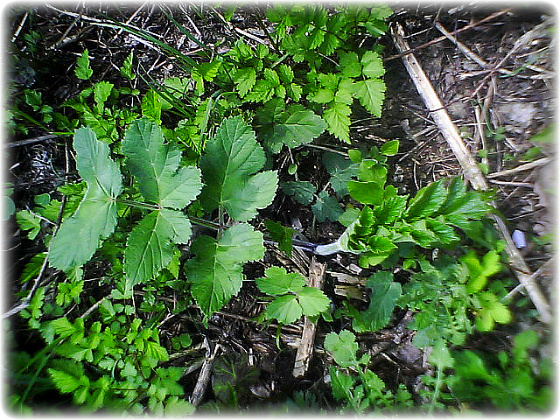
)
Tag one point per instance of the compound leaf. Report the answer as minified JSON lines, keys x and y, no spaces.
{"x":229,"y":165}
{"x":427,"y":201}
{"x":96,"y":216}
{"x":216,"y":271}
{"x":279,"y":282}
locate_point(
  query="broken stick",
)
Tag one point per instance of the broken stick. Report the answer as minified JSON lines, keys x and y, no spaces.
{"x":305,"y":348}
{"x":471,"y":170}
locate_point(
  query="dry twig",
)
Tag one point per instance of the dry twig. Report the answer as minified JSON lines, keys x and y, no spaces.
{"x":305,"y":348}
{"x":470,"y":168}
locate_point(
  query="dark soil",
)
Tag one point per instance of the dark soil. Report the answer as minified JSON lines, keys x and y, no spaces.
{"x":479,"y":101}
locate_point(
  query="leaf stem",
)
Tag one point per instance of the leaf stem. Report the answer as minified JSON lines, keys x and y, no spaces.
{"x":139,"y":205}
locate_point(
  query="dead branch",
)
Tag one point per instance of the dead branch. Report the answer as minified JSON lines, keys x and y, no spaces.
{"x":469,"y":166}
{"x":305,"y":348}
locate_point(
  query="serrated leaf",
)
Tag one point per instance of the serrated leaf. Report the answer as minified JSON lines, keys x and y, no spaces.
{"x":83,"y":70}
{"x":302,"y":191}
{"x":343,"y":347}
{"x":371,"y":94}
{"x":372,"y":65}
{"x":155,"y":165}
{"x":149,"y":245}
{"x":279,"y":282}
{"x":96,"y":216}
{"x":285,"y":73}
{"x":326,"y":207}
{"x":65,"y":382}
{"x":350,"y":64}
{"x":29,"y":221}
{"x":294,"y":127}
{"x":427,"y":201}
{"x":215,"y":273}
{"x":286,"y":309}
{"x":229,"y":169}
{"x":245,"y":78}
{"x":262,"y":91}
{"x":313,"y":301}
{"x":384,"y":295}
{"x":338,"y":122}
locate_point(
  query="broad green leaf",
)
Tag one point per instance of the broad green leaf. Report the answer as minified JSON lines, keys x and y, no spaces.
{"x":229,"y":169}
{"x":313,"y":301}
{"x":149,"y":245}
{"x":341,"y":384}
{"x":279,"y":282}
{"x":371,"y":94}
{"x":293,"y":127}
{"x":338,"y":121}
{"x":286,"y":309}
{"x":321,"y":96}
{"x":155,"y":166}
{"x":263,"y":91}
{"x":390,"y":148}
{"x":427,"y":201}
{"x":215,"y":273}
{"x":366,"y":192}
{"x":302,"y":191}
{"x":326,"y":207}
{"x":343,"y":348}
{"x":384,"y":295}
{"x":350,"y":64}
{"x":96,"y":216}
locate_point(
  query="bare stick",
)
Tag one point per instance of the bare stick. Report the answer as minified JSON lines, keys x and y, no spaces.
{"x":521,"y":168}
{"x":305,"y":348}
{"x":204,"y":377}
{"x":470,"y":169}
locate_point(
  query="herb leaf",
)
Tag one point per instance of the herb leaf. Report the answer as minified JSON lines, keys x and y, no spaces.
{"x":96,"y":216}
{"x":216,"y":271}
{"x":229,"y":169}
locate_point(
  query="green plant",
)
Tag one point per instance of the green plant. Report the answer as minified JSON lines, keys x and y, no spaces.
{"x":292,"y":297}
{"x":353,"y":383}
{"x":506,"y":380}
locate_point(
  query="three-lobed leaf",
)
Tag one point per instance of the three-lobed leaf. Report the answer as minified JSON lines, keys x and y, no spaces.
{"x":96,"y":216}
{"x":229,"y":167}
{"x":155,"y":165}
{"x":216,"y":271}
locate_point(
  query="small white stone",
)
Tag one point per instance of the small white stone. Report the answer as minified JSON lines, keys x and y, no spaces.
{"x":519,"y":239}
